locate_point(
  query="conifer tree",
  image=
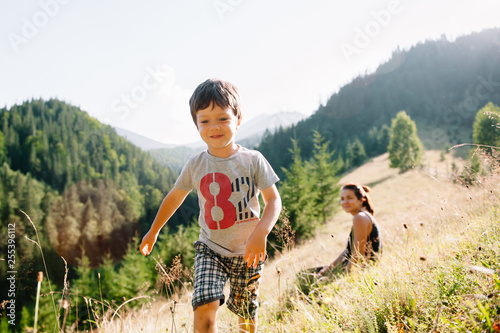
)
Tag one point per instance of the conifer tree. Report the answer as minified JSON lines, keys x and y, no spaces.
{"x":323,"y":171}
{"x":3,"y":150}
{"x":358,"y":153}
{"x":136,"y":274}
{"x":181,"y":242}
{"x":297,"y":196}
{"x":371,"y":146}
{"x":108,"y":278}
{"x":85,"y":289}
{"x":384,"y":136}
{"x":486,"y":128}
{"x":405,"y":148}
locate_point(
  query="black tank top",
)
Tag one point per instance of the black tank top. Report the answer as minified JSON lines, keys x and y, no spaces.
{"x":373,"y":242}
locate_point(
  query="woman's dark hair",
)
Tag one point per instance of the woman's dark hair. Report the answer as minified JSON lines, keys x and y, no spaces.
{"x":361,"y":191}
{"x":216,"y":91}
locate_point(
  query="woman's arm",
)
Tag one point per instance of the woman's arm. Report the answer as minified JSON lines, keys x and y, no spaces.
{"x":361,"y":225}
{"x":338,"y":261}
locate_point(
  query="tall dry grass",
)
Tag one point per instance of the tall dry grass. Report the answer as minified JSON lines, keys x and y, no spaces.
{"x":439,"y":271}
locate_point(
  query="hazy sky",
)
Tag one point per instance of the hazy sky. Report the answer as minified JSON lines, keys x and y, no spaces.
{"x":134,"y":64}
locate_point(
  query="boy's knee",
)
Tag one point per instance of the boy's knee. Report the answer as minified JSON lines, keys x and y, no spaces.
{"x":206,"y":316}
{"x":208,"y":308}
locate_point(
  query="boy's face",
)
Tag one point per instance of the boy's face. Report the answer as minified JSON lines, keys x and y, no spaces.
{"x":217,"y":127}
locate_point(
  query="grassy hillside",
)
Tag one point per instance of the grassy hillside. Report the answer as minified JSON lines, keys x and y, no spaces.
{"x":439,"y":270}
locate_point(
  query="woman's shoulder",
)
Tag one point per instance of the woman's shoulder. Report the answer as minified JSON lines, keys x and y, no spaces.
{"x":363,"y":217}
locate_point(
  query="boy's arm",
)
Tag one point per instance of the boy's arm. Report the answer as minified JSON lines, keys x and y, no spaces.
{"x":167,"y":208}
{"x":256,"y":244}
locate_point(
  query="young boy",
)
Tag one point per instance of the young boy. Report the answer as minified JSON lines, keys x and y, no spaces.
{"x":228,"y":179}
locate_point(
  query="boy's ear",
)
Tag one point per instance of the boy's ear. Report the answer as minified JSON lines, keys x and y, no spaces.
{"x":239,"y":122}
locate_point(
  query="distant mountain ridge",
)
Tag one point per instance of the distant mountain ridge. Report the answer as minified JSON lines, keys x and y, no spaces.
{"x":249,"y":134}
{"x":141,"y":141}
{"x":258,"y":125}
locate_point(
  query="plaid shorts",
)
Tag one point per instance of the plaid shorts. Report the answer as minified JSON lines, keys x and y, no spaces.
{"x":212,"y":270}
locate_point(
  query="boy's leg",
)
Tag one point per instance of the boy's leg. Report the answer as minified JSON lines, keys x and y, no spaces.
{"x":205,"y":318}
{"x":208,"y":295}
{"x":245,"y":326}
{"x":243,"y":297}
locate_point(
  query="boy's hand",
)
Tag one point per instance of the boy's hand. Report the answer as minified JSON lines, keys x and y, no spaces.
{"x":256,"y":248}
{"x":172,"y":201}
{"x":256,"y":244}
{"x":148,"y":241}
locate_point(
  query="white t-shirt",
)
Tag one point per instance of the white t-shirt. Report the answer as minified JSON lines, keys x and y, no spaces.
{"x":228,"y":190}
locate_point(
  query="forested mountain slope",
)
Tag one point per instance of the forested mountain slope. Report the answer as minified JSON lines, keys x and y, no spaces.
{"x":88,"y":190}
{"x":440,"y":84}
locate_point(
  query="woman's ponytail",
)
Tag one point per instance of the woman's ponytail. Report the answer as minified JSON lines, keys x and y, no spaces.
{"x":368,"y":203}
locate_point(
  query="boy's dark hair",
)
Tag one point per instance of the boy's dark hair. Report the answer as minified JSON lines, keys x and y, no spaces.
{"x":222,"y":93}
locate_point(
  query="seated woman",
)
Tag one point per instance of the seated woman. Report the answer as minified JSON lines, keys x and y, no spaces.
{"x":364,"y":241}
